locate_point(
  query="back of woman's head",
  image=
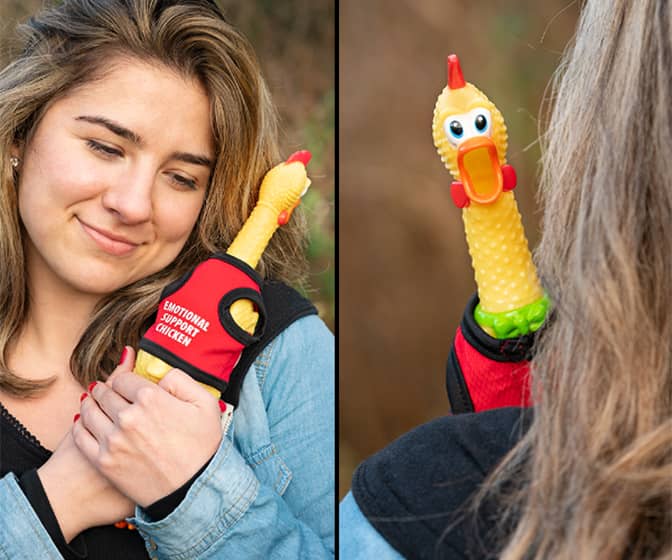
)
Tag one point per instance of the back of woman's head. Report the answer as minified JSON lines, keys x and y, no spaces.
{"x":598,"y":459}
{"x":75,"y":42}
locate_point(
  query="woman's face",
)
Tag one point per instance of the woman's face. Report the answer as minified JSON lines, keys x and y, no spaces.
{"x":113,"y":180}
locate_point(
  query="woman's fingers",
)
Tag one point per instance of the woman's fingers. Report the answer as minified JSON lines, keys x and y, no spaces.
{"x":85,"y":441}
{"x":132,"y":386}
{"x":126,"y":363}
{"x":175,"y":383}
{"x":111,"y":423}
{"x":183,"y":387}
{"x":103,"y":399}
{"x":103,"y":443}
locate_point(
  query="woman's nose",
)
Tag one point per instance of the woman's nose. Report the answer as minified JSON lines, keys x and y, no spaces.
{"x":131,"y":197}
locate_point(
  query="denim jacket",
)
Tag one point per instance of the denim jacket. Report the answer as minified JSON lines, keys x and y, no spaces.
{"x":269,"y":490}
{"x":359,"y":540}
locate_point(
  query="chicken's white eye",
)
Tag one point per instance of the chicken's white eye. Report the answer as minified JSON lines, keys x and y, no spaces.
{"x":481,"y":123}
{"x":454,"y":130}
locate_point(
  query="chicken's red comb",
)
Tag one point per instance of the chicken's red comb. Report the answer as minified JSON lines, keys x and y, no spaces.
{"x":455,"y":77}
{"x":302,"y":155}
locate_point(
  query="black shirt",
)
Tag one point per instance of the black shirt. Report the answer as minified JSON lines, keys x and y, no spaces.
{"x":22,"y":454}
{"x":416,"y":491}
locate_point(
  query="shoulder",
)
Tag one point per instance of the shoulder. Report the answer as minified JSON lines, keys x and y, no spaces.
{"x":297,"y":347}
{"x":290,"y":323}
{"x":293,"y":323}
{"x":427,"y":476}
{"x":294,"y":328}
{"x":302,"y":354}
{"x":308,"y":334}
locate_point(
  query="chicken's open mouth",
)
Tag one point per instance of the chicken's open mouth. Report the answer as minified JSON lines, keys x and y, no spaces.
{"x":480,"y":171}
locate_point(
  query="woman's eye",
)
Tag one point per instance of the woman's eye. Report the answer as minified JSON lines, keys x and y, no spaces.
{"x":456,"y":129}
{"x":183,"y":181}
{"x":104,"y":149}
{"x":481,"y":123}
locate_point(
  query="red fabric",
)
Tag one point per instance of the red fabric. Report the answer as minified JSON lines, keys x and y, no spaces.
{"x":492,"y":384}
{"x":188,"y":323}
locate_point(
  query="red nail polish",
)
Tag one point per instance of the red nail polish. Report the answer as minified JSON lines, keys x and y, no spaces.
{"x":222,"y":406}
{"x":75,"y":418}
{"x":123,"y":355}
{"x":92,"y":385}
{"x":83,"y":396}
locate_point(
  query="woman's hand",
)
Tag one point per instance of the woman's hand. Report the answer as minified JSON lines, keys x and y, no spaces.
{"x":148,"y":439}
{"x":79,"y":495}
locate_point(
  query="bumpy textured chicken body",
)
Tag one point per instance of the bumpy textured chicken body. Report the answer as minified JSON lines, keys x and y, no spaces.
{"x":279,"y":194}
{"x":470,"y":136}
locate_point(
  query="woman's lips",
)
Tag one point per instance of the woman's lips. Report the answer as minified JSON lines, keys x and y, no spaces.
{"x":108,"y":242}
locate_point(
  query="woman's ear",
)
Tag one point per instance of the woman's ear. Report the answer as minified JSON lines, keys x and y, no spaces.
{"x":16,"y":150}
{"x":15,"y":155}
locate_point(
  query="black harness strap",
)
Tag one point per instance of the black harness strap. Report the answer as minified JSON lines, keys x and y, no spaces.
{"x":284,"y":305}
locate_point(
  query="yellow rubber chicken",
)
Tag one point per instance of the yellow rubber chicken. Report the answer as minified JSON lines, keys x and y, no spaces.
{"x":470,"y":136}
{"x":279,"y":194}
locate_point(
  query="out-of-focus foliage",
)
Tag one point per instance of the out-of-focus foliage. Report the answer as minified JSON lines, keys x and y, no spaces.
{"x":294,"y":41}
{"x":404,"y":270}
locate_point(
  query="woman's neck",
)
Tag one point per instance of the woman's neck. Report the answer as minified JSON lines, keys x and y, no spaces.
{"x":57,"y":318}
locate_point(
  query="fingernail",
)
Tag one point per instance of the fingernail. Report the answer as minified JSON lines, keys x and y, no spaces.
{"x":92,"y":385}
{"x":123,"y":355}
{"x":83,"y":396}
{"x":222,"y":406}
{"x":75,"y":418}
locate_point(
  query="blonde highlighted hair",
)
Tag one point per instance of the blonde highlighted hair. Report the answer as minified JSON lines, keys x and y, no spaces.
{"x":70,"y":44}
{"x":593,"y":476}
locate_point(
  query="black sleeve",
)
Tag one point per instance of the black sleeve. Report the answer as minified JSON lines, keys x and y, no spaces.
{"x":414,"y":491}
{"x":31,"y":485}
{"x":165,"y":506}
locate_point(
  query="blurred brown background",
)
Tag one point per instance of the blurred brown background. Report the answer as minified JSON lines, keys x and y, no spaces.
{"x":404,"y":270}
{"x":295,"y":42}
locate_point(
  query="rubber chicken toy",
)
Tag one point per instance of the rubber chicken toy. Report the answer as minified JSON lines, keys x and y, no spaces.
{"x":470,"y":136}
{"x":206,"y":318}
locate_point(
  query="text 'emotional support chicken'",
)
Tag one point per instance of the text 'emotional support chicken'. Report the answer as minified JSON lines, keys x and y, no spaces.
{"x":470,"y":136}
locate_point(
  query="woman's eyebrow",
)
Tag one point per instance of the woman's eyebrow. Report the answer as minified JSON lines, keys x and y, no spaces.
{"x":192,"y":158}
{"x":116,"y":128}
{"x":135,"y":138}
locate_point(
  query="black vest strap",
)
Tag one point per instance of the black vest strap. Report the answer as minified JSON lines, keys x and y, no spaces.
{"x":284,"y":305}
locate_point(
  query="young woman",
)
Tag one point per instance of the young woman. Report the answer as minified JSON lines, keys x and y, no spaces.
{"x":587,"y":471}
{"x":134,"y":135}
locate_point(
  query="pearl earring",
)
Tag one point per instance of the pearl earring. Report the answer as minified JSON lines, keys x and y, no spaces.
{"x":14,"y":161}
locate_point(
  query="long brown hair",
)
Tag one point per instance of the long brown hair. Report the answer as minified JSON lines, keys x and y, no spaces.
{"x":71,"y":44}
{"x":593,"y":476}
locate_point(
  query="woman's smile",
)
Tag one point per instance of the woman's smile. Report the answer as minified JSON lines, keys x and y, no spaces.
{"x":111,"y":243}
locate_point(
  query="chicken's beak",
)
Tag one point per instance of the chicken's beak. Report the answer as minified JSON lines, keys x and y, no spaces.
{"x":480,"y":171}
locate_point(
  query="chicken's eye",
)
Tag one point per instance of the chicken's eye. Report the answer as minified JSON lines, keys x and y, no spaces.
{"x":481,"y":123}
{"x":456,"y":129}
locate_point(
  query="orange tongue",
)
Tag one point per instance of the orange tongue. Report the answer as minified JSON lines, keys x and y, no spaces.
{"x":480,"y":171}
